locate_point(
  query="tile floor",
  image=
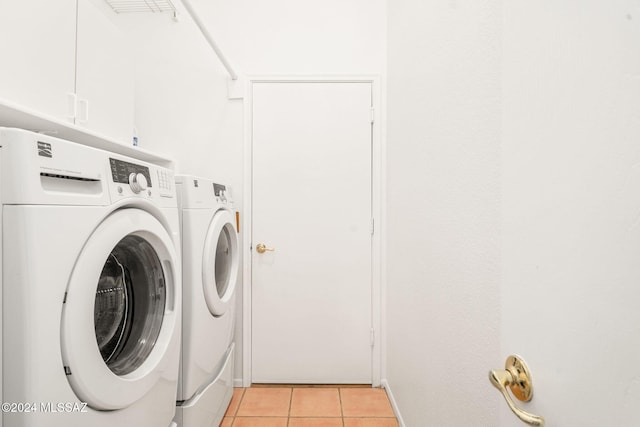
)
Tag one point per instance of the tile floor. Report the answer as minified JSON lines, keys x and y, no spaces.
{"x":299,"y":406}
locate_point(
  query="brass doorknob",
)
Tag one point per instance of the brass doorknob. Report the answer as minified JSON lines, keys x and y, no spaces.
{"x":262,"y":248}
{"x":517,"y":378}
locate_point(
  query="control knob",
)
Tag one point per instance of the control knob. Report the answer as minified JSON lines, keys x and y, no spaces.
{"x":138,"y":182}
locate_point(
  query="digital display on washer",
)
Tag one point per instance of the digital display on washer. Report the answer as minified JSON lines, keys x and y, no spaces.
{"x":121,"y":170}
{"x":217,"y":189}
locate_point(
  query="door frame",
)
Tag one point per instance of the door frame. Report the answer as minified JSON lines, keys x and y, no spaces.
{"x":378,"y":188}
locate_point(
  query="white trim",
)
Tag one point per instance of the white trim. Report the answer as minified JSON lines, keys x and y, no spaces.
{"x":378,"y":203}
{"x":246,"y":236}
{"x":376,"y":243}
{"x":394,"y":404}
{"x":381,"y":119}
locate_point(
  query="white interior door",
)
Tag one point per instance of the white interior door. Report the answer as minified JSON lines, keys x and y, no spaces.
{"x":311,"y":203}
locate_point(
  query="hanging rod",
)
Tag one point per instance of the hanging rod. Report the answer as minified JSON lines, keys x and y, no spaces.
{"x":207,"y":36}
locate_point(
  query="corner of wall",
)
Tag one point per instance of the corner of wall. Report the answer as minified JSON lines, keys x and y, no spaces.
{"x":394,"y":404}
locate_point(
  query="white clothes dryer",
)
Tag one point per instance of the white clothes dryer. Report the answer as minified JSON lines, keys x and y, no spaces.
{"x":210,"y":260}
{"x":91,"y":286}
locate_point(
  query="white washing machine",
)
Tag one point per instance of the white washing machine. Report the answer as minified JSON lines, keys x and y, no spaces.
{"x":91,"y":286}
{"x":210,"y":260}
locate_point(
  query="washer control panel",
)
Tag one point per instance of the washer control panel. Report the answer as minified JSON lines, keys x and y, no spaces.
{"x":165,"y":182}
{"x":138,"y":182}
{"x":130,"y":173}
{"x":130,"y":178}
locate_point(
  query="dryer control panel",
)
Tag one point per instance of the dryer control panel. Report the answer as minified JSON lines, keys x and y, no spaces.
{"x":203,"y":193}
{"x":220,"y":191}
{"x":222,"y":194}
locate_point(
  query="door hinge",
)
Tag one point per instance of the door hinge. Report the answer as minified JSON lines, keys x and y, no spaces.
{"x":373,"y":115}
{"x":373,"y":226}
{"x":373,"y":337}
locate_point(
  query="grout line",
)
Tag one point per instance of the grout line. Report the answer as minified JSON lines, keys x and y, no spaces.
{"x":240,"y":401}
{"x":341,"y":408}
{"x":235,"y":413}
{"x":290,"y":403}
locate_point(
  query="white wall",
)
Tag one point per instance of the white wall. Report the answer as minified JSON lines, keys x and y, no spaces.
{"x":571,"y":207}
{"x":181,"y":89}
{"x":181,"y":98}
{"x":443,"y":244}
{"x":285,"y":37}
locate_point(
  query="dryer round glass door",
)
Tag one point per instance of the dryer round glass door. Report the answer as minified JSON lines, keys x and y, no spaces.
{"x":223,"y":261}
{"x":120,"y":315}
{"x":220,"y":262}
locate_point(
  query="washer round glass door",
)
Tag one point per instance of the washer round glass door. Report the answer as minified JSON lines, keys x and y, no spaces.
{"x":129,"y":304}
{"x":220,"y":262}
{"x":118,"y":317}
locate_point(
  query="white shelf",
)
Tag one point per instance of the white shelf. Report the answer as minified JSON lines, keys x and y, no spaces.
{"x":16,"y":116}
{"x":124,"y":6}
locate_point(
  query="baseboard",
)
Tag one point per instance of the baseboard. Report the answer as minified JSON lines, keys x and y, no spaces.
{"x":237,"y":382}
{"x":394,"y":404}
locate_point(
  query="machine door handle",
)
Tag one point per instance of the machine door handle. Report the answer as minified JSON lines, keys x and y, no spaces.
{"x":516,"y":376}
{"x":262,"y":248}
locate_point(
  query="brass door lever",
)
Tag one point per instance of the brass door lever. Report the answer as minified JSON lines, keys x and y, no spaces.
{"x":516,"y":376}
{"x":262,"y":248}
